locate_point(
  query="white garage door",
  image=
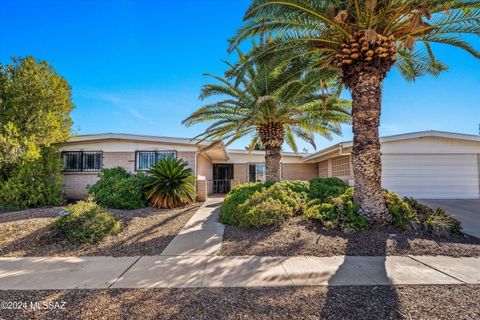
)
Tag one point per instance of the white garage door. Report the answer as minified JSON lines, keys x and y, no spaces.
{"x":432,"y":176}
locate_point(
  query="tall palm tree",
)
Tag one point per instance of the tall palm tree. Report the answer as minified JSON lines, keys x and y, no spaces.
{"x":272,"y":105}
{"x":362,"y":40}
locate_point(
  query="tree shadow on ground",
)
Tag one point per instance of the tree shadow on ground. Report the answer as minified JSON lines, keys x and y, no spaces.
{"x":362,"y":301}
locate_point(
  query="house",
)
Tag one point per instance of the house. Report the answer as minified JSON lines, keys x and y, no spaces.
{"x":426,"y":165}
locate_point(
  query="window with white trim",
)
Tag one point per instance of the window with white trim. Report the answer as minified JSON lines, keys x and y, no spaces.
{"x":146,"y":159}
{"x":256,"y":172}
{"x":82,"y":161}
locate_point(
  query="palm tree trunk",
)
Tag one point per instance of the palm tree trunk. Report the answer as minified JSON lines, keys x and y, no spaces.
{"x":272,"y":164}
{"x":272,"y":136}
{"x":366,"y":155}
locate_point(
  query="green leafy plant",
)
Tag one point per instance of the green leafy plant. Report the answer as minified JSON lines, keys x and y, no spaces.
{"x":441,"y":224}
{"x":324,"y":189}
{"x":262,"y":211}
{"x":237,"y":196}
{"x":34,"y":183}
{"x":404,"y":217}
{"x":170,"y":184}
{"x":244,"y":204}
{"x":119,"y":189}
{"x":339,"y":213}
{"x":436,"y":221}
{"x":86,"y":222}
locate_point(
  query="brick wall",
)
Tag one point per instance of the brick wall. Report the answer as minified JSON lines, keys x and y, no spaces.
{"x":189,"y":157}
{"x":125,"y":160}
{"x":75,"y":183}
{"x":299,"y":171}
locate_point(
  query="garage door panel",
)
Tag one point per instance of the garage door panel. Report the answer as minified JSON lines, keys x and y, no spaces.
{"x":432,"y":176}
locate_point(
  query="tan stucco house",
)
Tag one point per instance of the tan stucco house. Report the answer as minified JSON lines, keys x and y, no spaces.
{"x":426,"y":165}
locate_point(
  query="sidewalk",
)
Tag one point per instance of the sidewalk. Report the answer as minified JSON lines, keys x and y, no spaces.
{"x":191,"y":260}
{"x":32,"y":273}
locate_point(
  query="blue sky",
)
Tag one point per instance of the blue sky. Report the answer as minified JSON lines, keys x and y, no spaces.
{"x":136,"y":66}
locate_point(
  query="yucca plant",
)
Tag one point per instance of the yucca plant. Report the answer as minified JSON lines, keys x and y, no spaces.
{"x":272,"y":105}
{"x":170,"y":184}
{"x":362,"y":40}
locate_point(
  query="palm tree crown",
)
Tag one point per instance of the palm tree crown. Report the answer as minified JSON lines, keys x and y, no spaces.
{"x":272,"y":105}
{"x":343,"y":34}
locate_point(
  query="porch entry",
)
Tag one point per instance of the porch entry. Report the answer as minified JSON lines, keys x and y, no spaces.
{"x":222,"y":178}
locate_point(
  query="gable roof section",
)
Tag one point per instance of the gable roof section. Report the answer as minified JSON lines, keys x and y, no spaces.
{"x":398,"y":137}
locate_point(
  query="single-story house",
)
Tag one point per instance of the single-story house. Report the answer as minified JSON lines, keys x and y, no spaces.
{"x":425,"y":165}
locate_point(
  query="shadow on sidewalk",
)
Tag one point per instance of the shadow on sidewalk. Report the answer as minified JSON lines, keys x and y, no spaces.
{"x":361,"y":302}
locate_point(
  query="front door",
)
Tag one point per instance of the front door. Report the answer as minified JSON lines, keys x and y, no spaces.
{"x":222,"y":178}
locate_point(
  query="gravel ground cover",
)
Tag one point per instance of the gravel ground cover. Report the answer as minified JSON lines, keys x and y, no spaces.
{"x":145,"y":231}
{"x":344,"y":302}
{"x":304,"y":237}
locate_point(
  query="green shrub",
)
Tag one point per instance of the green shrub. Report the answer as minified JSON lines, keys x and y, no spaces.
{"x":34,"y":183}
{"x":440,"y":224}
{"x":436,"y":221}
{"x":404,"y":217}
{"x":170,"y":184}
{"x":237,"y":196}
{"x":243,"y":205}
{"x":286,"y":193}
{"x":339,"y":213}
{"x":261,"y":211}
{"x":87,"y":222}
{"x":297,"y":186}
{"x":119,"y":189}
{"x":326,"y":188}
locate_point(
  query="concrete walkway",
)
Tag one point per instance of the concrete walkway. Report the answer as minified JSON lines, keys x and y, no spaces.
{"x":202,"y":234}
{"x":31,"y":273}
{"x":191,"y":260}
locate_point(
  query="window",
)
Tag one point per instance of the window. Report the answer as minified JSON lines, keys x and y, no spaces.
{"x":146,"y":159}
{"x":82,"y":161}
{"x":256,"y":172}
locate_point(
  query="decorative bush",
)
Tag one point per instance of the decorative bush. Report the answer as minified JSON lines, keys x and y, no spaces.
{"x":119,"y":189}
{"x":34,"y":183}
{"x":237,"y":196}
{"x":404,"y":216}
{"x":255,"y":205}
{"x":170,"y":184}
{"x":324,"y":189}
{"x":262,"y":211}
{"x":244,"y":204}
{"x":436,"y":221}
{"x":440,"y":224}
{"x":339,"y":213}
{"x":87,"y":222}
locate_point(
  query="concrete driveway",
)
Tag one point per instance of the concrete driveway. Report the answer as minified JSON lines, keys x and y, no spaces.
{"x":467,"y":211}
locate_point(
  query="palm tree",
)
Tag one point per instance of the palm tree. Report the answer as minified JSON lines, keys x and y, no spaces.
{"x":170,"y":184}
{"x":362,"y":41}
{"x":272,"y":105}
